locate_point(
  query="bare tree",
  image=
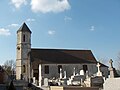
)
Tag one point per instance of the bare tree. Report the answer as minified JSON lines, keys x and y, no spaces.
{"x":118,"y":61}
{"x":9,"y":66}
{"x":103,"y":61}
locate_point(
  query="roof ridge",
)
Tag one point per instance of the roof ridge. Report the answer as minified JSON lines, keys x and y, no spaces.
{"x":70,"y":49}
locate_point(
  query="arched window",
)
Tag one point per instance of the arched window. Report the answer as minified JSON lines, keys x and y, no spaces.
{"x":85,"y":68}
{"x":24,"y":69}
{"x":46,"y":69}
{"x":24,"y":38}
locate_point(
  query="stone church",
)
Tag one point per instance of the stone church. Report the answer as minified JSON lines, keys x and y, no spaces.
{"x":39,"y":63}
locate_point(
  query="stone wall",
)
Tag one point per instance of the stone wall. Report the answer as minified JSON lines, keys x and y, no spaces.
{"x":72,"y":88}
{"x":112,"y":84}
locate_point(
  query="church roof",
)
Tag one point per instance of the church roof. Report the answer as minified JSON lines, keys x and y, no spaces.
{"x":62,"y":56}
{"x":24,"y":28}
{"x":103,"y":65}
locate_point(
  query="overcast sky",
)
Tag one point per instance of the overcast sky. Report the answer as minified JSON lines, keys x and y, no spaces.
{"x":72,"y":24}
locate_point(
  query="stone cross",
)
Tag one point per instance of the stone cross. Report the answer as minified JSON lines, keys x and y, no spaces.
{"x":99,"y":73}
{"x":111,"y":69}
{"x":98,"y":66}
{"x":111,"y":63}
{"x":60,"y":73}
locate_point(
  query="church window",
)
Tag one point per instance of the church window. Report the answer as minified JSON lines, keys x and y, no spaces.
{"x":23,"y":38}
{"x":46,"y":69}
{"x":85,"y":68}
{"x":0,"y":68}
{"x":18,"y":48}
{"x":24,"y":69}
{"x":59,"y":66}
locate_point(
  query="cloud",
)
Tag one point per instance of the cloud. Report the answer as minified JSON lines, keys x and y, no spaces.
{"x":13,"y":25}
{"x":5,"y":32}
{"x":18,"y":3}
{"x":51,"y":32}
{"x":92,"y":28}
{"x":45,"y":6}
{"x":66,"y":18}
{"x":30,"y":20}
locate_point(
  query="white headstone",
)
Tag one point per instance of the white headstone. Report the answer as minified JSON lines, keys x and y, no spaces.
{"x":40,"y":76}
{"x":87,"y":74}
{"x":82,"y":72}
{"x":65,"y":75}
{"x":45,"y":81}
{"x":74,"y":72}
{"x":33,"y":80}
{"x":60,"y":73}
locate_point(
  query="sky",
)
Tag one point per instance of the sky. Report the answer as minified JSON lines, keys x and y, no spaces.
{"x":69,"y":24}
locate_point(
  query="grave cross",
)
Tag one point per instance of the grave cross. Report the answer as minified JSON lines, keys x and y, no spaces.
{"x":111,"y":63}
{"x":99,"y":73}
{"x":111,"y":69}
{"x":98,"y":66}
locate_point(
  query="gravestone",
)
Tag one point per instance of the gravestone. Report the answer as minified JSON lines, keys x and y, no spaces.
{"x":45,"y":81}
{"x":65,"y":76}
{"x":60,"y":73}
{"x":33,"y":80}
{"x":111,"y":69}
{"x":99,"y":73}
{"x":82,"y":72}
{"x":74,"y":72}
{"x":97,"y":81}
{"x":11,"y":87}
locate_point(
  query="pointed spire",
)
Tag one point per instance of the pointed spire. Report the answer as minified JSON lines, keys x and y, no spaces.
{"x":24,"y":28}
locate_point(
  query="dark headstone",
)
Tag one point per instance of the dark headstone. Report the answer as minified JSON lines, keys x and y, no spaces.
{"x":97,"y":81}
{"x":11,"y":87}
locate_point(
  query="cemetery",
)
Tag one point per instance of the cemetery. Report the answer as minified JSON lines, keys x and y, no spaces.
{"x":58,"y":69}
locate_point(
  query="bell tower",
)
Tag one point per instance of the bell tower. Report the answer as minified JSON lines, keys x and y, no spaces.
{"x":23,"y":49}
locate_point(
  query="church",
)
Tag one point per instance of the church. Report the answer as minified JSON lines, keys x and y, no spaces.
{"x":40,"y":63}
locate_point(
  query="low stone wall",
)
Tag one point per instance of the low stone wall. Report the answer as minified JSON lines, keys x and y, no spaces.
{"x":5,"y":87}
{"x":72,"y":88}
{"x":112,"y":84}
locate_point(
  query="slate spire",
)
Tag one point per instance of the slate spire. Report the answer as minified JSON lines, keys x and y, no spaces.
{"x":24,"y":28}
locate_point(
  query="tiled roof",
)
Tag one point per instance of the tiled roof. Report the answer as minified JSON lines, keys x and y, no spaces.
{"x":24,"y":28}
{"x":62,"y":56}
